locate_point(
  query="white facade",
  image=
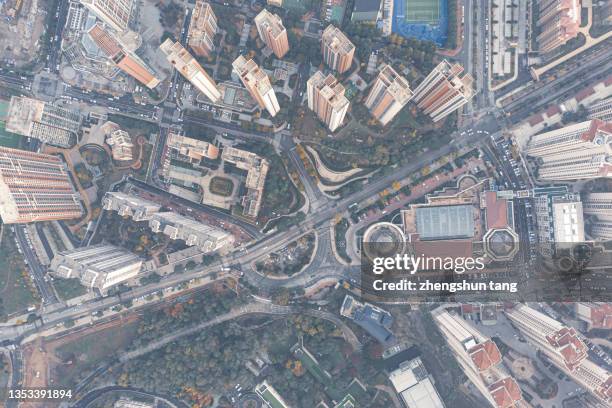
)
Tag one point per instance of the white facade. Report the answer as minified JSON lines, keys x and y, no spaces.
{"x":257,"y":83}
{"x":187,"y":65}
{"x":564,"y":348}
{"x":114,"y":13}
{"x":97,"y":266}
{"x":128,"y":205}
{"x":576,"y":152}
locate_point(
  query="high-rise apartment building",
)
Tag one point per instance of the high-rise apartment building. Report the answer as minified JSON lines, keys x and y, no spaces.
{"x":338,"y":50}
{"x":443,"y":91}
{"x":114,"y":13}
{"x":97,"y":266}
{"x":202,"y":29}
{"x":35,"y":187}
{"x":189,"y":68}
{"x":44,"y":121}
{"x":598,"y":206}
{"x":480,"y":360}
{"x":389,"y":94}
{"x":602,"y":109}
{"x":257,"y":83}
{"x":563,"y":346}
{"x":558,"y":22}
{"x":125,"y":60}
{"x":272,"y":32}
{"x":575,"y":152}
{"x":194,"y":233}
{"x":326,"y":99}
{"x":127,"y":205}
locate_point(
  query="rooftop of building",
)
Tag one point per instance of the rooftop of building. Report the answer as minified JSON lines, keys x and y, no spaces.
{"x":372,"y":319}
{"x":366,"y":6}
{"x":270,"y":21}
{"x":506,"y":393}
{"x":414,"y":385}
{"x":337,"y":40}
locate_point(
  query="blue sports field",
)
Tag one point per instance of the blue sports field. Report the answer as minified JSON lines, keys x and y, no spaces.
{"x":422,"y":19}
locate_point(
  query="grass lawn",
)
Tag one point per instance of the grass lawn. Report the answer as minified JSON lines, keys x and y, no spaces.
{"x":87,"y":351}
{"x":15,"y":290}
{"x":4,"y":376}
{"x":340,"y":233}
{"x":68,"y":288}
{"x":221,"y":186}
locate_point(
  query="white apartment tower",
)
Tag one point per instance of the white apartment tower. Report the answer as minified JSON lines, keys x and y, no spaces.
{"x":187,"y":65}
{"x":114,"y":13}
{"x":576,"y":152}
{"x":326,"y":98}
{"x":389,"y":94}
{"x":257,"y":83}
{"x":479,"y":358}
{"x":598,"y":206}
{"x":97,"y":266}
{"x":127,"y":205}
{"x":564,"y":348}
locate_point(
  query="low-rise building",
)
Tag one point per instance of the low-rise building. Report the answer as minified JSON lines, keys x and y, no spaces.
{"x":415,"y":386}
{"x":97,"y":266}
{"x":270,"y":396}
{"x":366,"y":11}
{"x":374,"y":320}
{"x":129,"y":403}
{"x":44,"y":121}
{"x":190,"y":149}
{"x":257,"y":170}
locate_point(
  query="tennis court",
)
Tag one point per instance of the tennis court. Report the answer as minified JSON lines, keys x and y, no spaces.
{"x":423,"y":11}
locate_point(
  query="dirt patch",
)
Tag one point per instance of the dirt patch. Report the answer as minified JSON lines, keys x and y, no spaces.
{"x":36,"y":369}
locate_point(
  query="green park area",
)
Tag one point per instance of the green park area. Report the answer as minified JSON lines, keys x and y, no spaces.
{"x":16,"y":289}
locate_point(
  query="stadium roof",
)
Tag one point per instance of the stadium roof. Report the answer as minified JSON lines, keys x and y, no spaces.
{"x":445,"y":222}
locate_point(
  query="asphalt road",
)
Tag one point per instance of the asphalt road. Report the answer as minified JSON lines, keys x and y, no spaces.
{"x":38,"y":271}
